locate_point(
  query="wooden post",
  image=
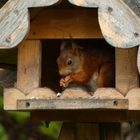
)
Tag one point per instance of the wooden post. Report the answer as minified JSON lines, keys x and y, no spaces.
{"x":87,"y":131}
{"x":67,"y":131}
{"x":79,"y":131}
{"x":29,"y":65}
{"x":126,"y":69}
{"x":110,"y":131}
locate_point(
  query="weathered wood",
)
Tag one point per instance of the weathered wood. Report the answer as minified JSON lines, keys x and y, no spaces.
{"x":138,"y":59}
{"x":108,"y":93}
{"x":100,"y":93}
{"x":61,"y":23}
{"x":126,"y":70}
{"x":71,"y":104}
{"x":119,"y":24}
{"x":42,"y":93}
{"x":11,"y":95}
{"x":10,"y":98}
{"x":47,"y":99}
{"x":14,"y":23}
{"x":134,"y":99}
{"x":134,"y":5}
{"x":29,"y":65}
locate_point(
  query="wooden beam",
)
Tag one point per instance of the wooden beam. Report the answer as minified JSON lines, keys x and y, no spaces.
{"x":126,"y":70}
{"x":72,"y":104}
{"x":45,"y":98}
{"x":29,"y":65}
{"x":99,"y":116}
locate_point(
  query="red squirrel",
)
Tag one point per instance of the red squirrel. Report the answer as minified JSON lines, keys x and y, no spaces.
{"x":90,"y":65}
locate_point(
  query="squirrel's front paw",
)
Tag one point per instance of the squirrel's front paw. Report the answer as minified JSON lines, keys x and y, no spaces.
{"x":64,"y":82}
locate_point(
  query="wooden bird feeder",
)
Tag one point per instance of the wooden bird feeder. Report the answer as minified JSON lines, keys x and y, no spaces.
{"x":37,"y":37}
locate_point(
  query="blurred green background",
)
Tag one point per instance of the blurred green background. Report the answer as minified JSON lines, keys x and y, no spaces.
{"x":15,"y":125}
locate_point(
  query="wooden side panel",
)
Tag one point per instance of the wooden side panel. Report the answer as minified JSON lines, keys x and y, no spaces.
{"x":29,"y":65}
{"x":65,"y":23}
{"x":126,"y":69}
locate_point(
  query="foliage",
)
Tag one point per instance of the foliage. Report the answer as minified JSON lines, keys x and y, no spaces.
{"x":53,"y":130}
{"x":3,"y":135}
{"x":16,"y":125}
{"x":21,"y":120}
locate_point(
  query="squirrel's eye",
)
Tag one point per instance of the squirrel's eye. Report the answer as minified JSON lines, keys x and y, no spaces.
{"x":69,"y":62}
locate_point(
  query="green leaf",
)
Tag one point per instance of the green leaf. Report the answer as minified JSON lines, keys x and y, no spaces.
{"x":3,"y":135}
{"x":19,"y":116}
{"x":53,"y":130}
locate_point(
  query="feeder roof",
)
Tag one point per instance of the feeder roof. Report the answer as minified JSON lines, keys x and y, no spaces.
{"x":118,"y":19}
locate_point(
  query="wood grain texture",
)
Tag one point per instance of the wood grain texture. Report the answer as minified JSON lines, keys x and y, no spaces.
{"x":110,"y":131}
{"x":134,"y":5}
{"x":71,"y":104}
{"x":138,"y":59}
{"x":68,"y":131}
{"x":45,"y":98}
{"x":10,"y":98}
{"x":134,"y":99}
{"x":118,"y":23}
{"x":63,"y":23}
{"x":29,"y":65}
{"x":126,"y":69}
{"x":14,"y":20}
{"x":11,"y":95}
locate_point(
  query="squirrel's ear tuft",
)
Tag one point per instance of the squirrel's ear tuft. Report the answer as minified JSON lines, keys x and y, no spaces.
{"x":62,"y":46}
{"x":74,"y":45}
{"x":66,"y":44}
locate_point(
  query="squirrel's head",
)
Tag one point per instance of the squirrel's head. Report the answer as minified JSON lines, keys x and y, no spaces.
{"x":68,"y":60}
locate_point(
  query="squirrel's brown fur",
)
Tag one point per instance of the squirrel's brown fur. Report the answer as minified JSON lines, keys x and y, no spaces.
{"x":88,"y":65}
